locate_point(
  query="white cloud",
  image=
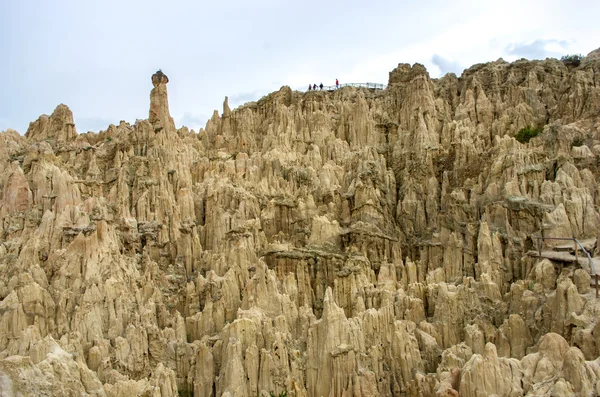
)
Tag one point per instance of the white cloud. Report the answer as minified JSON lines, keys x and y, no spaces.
{"x":95,"y":124}
{"x":537,"y":49}
{"x":242,"y":98}
{"x":192,"y":121}
{"x":446,"y":65}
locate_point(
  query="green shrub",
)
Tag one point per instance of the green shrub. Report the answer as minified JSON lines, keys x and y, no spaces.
{"x":108,"y":139}
{"x":525,"y":134}
{"x":572,"y":60}
{"x":579,"y":141}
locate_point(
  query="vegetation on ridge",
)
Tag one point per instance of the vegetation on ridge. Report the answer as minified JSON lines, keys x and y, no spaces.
{"x":525,"y":134}
{"x":572,"y":59}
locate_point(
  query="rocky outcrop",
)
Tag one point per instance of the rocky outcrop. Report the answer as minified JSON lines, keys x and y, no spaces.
{"x":355,"y":242}
{"x":59,"y":127}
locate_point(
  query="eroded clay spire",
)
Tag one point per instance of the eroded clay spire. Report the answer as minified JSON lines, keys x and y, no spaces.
{"x":160,"y":117}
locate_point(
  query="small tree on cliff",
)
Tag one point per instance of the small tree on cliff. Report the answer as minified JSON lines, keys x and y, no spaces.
{"x":572,"y":60}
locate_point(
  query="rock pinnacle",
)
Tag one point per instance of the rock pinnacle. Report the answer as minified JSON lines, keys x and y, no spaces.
{"x":160,"y":116}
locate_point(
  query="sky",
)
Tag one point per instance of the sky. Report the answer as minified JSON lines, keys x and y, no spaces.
{"x":97,"y":56}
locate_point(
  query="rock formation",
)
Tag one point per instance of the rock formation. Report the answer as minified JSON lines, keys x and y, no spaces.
{"x":346,"y":243}
{"x":159,"y":104}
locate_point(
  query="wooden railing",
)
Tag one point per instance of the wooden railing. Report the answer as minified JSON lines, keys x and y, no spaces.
{"x":373,"y":86}
{"x":577,"y":243}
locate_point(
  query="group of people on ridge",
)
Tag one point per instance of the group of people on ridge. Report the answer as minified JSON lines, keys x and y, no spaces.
{"x":320,"y":86}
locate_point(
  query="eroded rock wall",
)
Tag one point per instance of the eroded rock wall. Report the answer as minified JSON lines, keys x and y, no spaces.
{"x":347,"y":243}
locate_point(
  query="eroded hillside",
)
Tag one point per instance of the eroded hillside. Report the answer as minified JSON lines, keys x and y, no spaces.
{"x":347,"y":243}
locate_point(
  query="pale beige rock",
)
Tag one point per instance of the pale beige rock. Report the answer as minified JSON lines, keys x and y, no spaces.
{"x":545,"y":274}
{"x":58,"y":127}
{"x":582,"y":281}
{"x":489,"y":374}
{"x":352,"y":243}
{"x":160,"y":118}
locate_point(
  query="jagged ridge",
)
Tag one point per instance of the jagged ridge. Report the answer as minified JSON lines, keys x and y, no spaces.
{"x":349,"y":243}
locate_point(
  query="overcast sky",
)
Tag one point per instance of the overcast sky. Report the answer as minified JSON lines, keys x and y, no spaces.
{"x":97,"y":56}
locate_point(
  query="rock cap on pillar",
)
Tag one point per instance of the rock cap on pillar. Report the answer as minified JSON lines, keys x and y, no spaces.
{"x":159,"y":78}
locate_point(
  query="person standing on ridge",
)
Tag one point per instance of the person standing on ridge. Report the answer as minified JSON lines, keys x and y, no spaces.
{"x":309,"y":87}
{"x":321,"y":86}
{"x":337,"y":84}
{"x":315,"y":86}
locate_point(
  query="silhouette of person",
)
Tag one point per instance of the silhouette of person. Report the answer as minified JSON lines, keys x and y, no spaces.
{"x":337,"y":83}
{"x":315,"y":86}
{"x":309,"y":87}
{"x":321,"y":86}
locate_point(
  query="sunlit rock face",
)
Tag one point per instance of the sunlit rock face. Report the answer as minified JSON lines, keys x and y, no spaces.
{"x":346,"y":243}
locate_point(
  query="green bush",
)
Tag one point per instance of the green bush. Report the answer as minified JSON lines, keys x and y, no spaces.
{"x":572,"y":60}
{"x":525,"y":134}
{"x":579,"y":141}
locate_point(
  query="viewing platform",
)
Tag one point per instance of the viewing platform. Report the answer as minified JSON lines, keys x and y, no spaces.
{"x":372,"y":86}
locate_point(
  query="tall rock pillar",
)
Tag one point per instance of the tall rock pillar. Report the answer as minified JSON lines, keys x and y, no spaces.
{"x":160,"y":117}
